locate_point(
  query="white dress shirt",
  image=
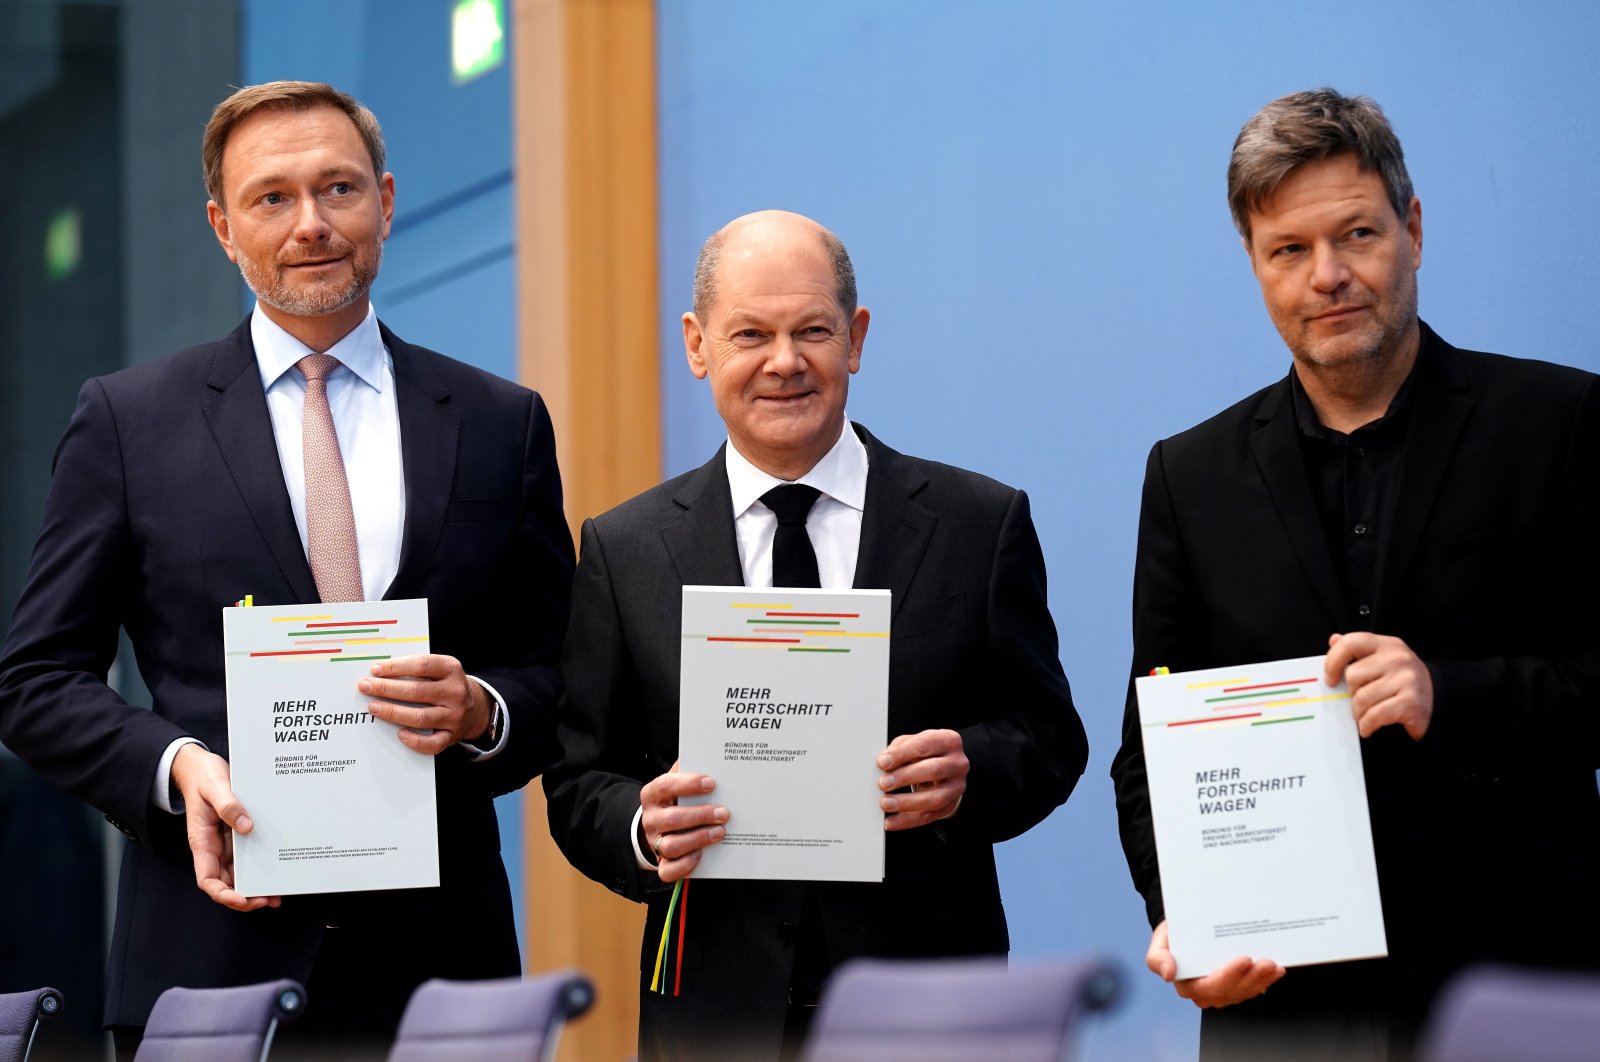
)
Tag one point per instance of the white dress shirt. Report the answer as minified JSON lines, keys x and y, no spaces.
{"x":834,"y":525}
{"x":366,"y":418}
{"x":834,"y":522}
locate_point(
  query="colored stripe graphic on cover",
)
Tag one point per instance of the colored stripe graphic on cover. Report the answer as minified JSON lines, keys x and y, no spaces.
{"x":322,"y":631}
{"x":1251,"y":703}
{"x":784,"y":627}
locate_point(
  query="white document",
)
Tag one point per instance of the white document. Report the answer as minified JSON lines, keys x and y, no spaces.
{"x":339,"y":804}
{"x":784,"y":701}
{"x":1261,"y":819}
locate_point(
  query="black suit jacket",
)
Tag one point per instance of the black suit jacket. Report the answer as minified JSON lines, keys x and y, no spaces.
{"x":972,"y":648}
{"x":168,"y":503}
{"x":1487,"y":831}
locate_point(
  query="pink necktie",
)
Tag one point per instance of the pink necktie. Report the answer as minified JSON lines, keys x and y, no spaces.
{"x":330,"y":519}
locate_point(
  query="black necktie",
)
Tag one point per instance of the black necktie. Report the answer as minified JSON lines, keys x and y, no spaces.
{"x":794,"y":562}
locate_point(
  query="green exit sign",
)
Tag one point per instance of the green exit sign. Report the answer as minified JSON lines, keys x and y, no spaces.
{"x":477,"y":38}
{"x":63,"y":244}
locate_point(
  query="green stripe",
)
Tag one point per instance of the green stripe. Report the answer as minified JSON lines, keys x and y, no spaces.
{"x":343,"y":659}
{"x":1291,"y":719}
{"x":796,"y":649}
{"x":1258,"y":695}
{"x":324,"y":634}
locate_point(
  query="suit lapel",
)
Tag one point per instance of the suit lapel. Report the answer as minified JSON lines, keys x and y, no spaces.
{"x":430,"y":431}
{"x":895,"y":529}
{"x":700,"y":540}
{"x":1442,"y":405}
{"x":1276,"y":444}
{"x":237,"y":415}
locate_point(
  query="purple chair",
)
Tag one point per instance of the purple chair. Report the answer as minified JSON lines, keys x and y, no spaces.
{"x":954,"y":1010}
{"x":1492,"y":1013}
{"x":21,"y":1014}
{"x":219,"y":1024}
{"x":514,"y":1019}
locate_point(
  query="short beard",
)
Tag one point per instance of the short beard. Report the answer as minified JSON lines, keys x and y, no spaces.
{"x":317,"y":302}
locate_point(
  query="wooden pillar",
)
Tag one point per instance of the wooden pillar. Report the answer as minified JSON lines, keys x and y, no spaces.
{"x":584,"y":107}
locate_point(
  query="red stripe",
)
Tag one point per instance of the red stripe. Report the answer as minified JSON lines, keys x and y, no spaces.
{"x":683,"y":920}
{"x":781,"y":641}
{"x":816,"y":615}
{"x":301,"y":652}
{"x":1266,"y":685}
{"x":1215,"y":719}
{"x":353,"y":623}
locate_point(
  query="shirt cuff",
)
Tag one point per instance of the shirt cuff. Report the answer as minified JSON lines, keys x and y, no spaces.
{"x":501,"y":724}
{"x":633,"y":839}
{"x":161,"y":793}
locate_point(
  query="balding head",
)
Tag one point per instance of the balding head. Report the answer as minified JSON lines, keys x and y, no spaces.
{"x":764,"y":230}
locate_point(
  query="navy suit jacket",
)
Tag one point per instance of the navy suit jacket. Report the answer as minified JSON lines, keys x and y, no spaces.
{"x":168,"y":503}
{"x":972,"y":648}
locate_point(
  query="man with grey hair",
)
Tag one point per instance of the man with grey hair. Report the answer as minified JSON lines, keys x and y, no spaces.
{"x":986,"y":741}
{"x":1425,"y":516}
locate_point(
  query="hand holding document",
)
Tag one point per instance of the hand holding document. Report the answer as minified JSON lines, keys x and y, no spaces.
{"x":338,"y":804}
{"x":784,"y":701}
{"x":1260,"y":811}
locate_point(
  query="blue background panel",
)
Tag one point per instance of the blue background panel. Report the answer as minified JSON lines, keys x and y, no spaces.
{"x":1034,"y":194}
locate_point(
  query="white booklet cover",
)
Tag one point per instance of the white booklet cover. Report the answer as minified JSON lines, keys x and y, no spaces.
{"x":784,"y":700}
{"x":1261,"y":821}
{"x":339,"y":804}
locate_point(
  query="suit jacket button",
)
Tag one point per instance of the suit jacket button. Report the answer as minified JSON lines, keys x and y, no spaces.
{"x":123,"y":829}
{"x":787,"y":933}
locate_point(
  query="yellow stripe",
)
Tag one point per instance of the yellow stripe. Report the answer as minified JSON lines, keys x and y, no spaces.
{"x":381,"y":641}
{"x":741,"y":605}
{"x":1224,"y":682}
{"x":1306,"y":700}
{"x":299,"y":619}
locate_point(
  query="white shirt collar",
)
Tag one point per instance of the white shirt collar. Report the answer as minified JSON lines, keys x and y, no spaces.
{"x":841,"y":474}
{"x":361,"y":350}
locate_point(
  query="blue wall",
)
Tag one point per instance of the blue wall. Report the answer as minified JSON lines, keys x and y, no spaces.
{"x":1033,"y":192}
{"x":448,"y":269}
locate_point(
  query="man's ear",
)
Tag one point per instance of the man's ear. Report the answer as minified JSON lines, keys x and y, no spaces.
{"x":1413,"y":222}
{"x":858,"y":335}
{"x":218,"y":219}
{"x":386,"y":200}
{"x":694,"y":339}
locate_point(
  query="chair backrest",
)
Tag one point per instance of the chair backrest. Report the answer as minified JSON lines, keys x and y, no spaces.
{"x":1496,"y":1012}
{"x":21,"y":1014}
{"x":219,"y":1024}
{"x":514,"y":1019}
{"x":942,"y":1010}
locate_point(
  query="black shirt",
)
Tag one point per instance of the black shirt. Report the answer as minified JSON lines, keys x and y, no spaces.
{"x":1354,"y":478}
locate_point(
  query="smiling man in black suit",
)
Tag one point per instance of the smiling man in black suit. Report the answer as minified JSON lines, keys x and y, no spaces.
{"x":985,"y":738}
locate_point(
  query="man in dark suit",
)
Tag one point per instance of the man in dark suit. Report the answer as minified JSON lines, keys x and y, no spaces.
{"x":1426,"y":516}
{"x":987,"y":741}
{"x":311,"y":455}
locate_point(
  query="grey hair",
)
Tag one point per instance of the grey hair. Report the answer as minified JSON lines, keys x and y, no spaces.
{"x":707,"y":266}
{"x":1307,"y":127}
